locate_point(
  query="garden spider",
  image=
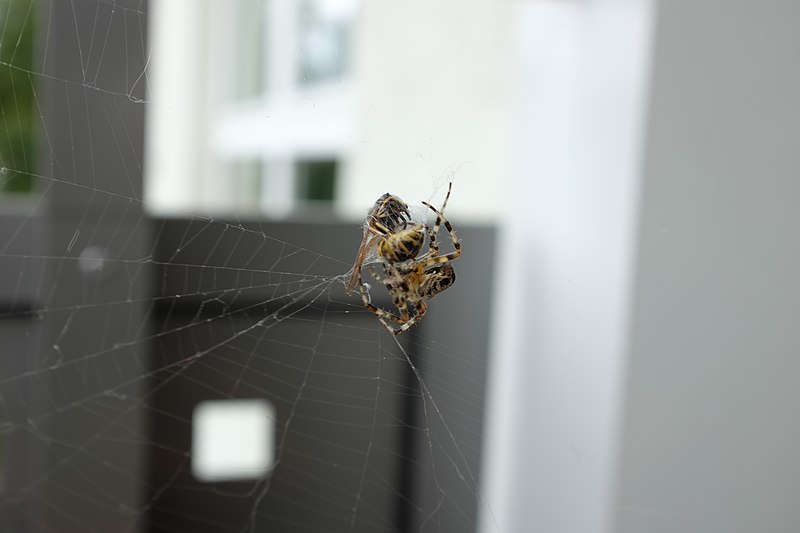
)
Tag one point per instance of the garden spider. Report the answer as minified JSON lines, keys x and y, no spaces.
{"x":410,"y":279}
{"x":387,"y":216}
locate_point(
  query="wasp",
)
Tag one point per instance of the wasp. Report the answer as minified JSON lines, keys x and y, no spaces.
{"x":385,"y":219}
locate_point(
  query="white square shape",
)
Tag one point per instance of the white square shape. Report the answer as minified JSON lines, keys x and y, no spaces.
{"x":233,"y":439}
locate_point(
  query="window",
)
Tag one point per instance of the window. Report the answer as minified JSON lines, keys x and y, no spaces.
{"x":316,"y":180}
{"x":248,"y":52}
{"x":324,"y":39}
{"x":273,"y":120}
{"x":232,"y":439}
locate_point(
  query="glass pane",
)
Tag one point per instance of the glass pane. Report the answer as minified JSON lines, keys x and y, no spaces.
{"x":233,"y":439}
{"x":316,"y":180}
{"x":324,"y":35}
{"x":249,"y":49}
{"x":245,"y":183}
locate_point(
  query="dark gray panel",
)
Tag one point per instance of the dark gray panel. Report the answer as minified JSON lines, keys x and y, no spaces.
{"x":230,"y":276}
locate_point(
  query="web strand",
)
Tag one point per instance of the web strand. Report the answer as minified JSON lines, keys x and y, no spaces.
{"x":118,"y":325}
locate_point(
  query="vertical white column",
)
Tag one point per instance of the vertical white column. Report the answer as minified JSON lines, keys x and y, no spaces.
{"x":565,"y":268}
{"x":282,"y":44}
{"x":173,"y":167}
{"x":277,"y":199}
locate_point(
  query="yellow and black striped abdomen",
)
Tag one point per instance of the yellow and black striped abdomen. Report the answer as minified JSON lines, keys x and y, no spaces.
{"x":403,"y":245}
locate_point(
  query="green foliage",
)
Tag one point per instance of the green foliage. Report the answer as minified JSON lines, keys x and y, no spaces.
{"x":17,"y":125}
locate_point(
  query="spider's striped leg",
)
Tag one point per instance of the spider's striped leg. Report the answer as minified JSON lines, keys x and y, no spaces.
{"x":398,"y":293}
{"x":382,"y":314}
{"x":422,"y":308}
{"x":456,"y":244}
{"x":439,"y":218}
{"x":433,"y":246}
{"x":447,"y":196}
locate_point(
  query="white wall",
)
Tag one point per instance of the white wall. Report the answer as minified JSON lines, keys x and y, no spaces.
{"x":434,"y":94}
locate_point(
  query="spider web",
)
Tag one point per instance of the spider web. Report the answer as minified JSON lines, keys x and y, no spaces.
{"x":117,"y":324}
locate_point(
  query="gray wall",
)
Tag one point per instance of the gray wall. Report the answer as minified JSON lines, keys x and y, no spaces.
{"x":711,"y":431}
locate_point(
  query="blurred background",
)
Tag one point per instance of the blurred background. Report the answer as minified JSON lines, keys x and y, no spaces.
{"x":183,"y":187}
{"x":305,"y":106}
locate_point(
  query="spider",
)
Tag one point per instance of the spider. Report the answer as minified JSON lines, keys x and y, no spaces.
{"x":411,"y":279}
{"x":387,"y":216}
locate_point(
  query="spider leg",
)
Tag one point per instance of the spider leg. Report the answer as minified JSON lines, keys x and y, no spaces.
{"x":422,"y":308}
{"x":447,"y":197}
{"x":382,"y":314}
{"x":428,"y":261}
{"x":433,"y":245}
{"x":398,"y":291}
{"x":439,"y":215}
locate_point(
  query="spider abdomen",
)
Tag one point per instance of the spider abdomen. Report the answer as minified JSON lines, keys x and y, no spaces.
{"x":437,"y":280}
{"x":403,"y":245}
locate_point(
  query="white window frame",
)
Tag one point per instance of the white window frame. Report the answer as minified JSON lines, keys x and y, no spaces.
{"x":190,"y":101}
